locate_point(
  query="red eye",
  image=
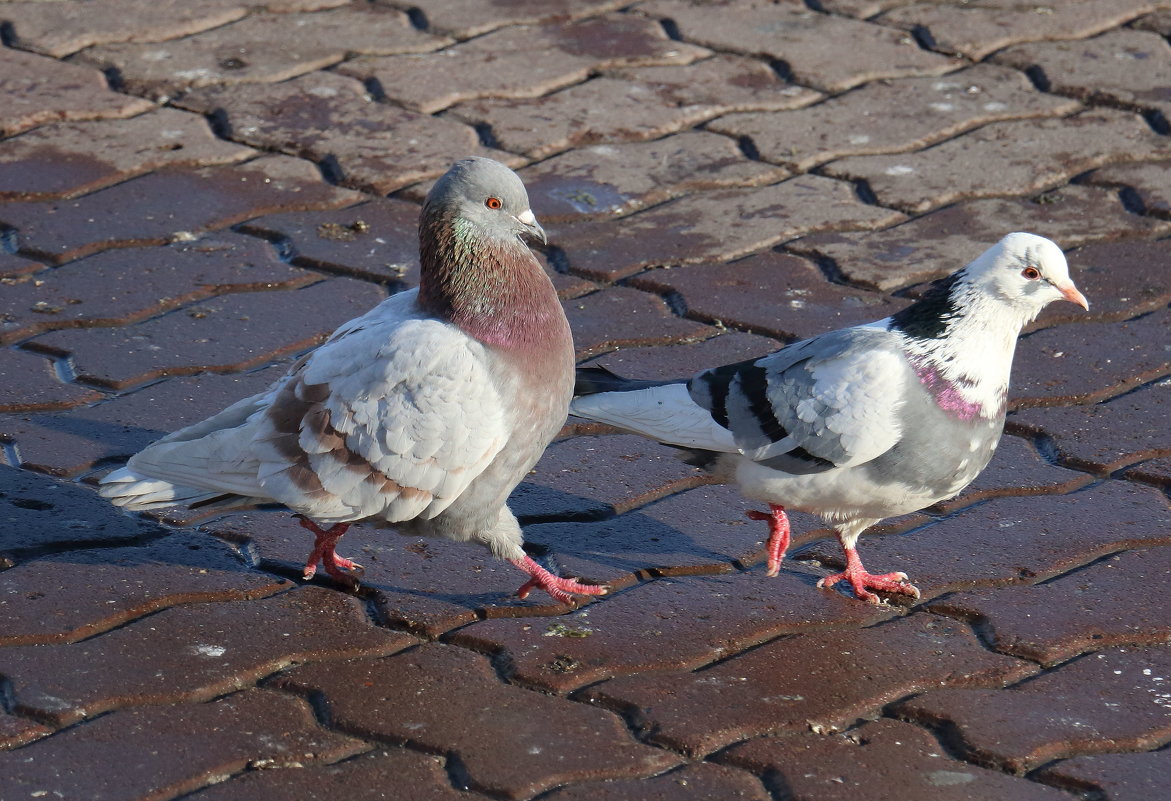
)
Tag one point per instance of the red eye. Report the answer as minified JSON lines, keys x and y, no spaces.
{"x":493,"y":203}
{"x":1032,"y":273}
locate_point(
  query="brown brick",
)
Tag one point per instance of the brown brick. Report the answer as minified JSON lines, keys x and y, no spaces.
{"x":169,"y":205}
{"x":1124,"y":777}
{"x":551,"y":741}
{"x":192,"y":653}
{"x":1004,"y":158}
{"x":331,"y":119}
{"x":715,"y":226}
{"x":69,"y":159}
{"x":265,"y":48}
{"x":615,"y":180}
{"x":796,"y":36}
{"x":698,"y":782}
{"x":667,"y":362}
{"x":621,"y":317}
{"x":915,"y":113}
{"x":16,"y":731}
{"x":37,"y":90}
{"x":521,"y":61}
{"x":792,"y":684}
{"x":467,"y":18}
{"x":164,"y":752}
{"x":30,"y":382}
{"x":943,"y":241}
{"x":1147,"y":186}
{"x":1112,"y":700}
{"x":885,"y":758}
{"x":976,"y":31}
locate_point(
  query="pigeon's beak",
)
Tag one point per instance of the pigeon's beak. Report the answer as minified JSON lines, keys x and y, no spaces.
{"x":1071,"y":293}
{"x":529,"y":221}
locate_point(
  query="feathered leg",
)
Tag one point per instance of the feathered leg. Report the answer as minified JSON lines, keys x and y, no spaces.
{"x":863,"y":582}
{"x":778,"y":535}
{"x":559,"y":588}
{"x":323,"y":552}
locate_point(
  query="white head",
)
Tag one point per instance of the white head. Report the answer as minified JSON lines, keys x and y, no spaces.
{"x":1026,"y":271}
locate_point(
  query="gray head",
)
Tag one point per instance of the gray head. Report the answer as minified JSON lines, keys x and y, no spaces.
{"x":487,"y":194}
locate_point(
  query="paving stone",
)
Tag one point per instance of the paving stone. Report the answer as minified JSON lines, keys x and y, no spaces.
{"x":426,"y":586}
{"x":1106,"y":436}
{"x":37,"y":90}
{"x":331,"y":119}
{"x":775,"y":294}
{"x":29,"y":383}
{"x":1078,"y":364}
{"x":79,"y":517}
{"x":941,"y":242}
{"x":1123,"y":777}
{"x":164,"y":752}
{"x":1155,"y":471}
{"x":191,"y":653}
{"x":1159,"y":22}
{"x":521,"y":61}
{"x":227,"y":333}
{"x":13,"y":266}
{"x":615,"y":180}
{"x":1016,"y":540}
{"x":680,"y":361}
{"x":795,"y":36}
{"x":1017,"y":468}
{"x":17,"y":731}
{"x":701,"y":531}
{"x":466,"y":18}
{"x":74,"y":595}
{"x":862,"y":9}
{"x":56,"y":29}
{"x":1122,"y":67}
{"x":699,"y":782}
{"x":442,"y":699}
{"x":1148,"y":186}
{"x":124,"y":286}
{"x":1113,"y":700}
{"x":1085,"y":610}
{"x":886,"y":756}
{"x":620,"y":317}
{"x":915,"y":113}
{"x":265,"y":48}
{"x":1004,"y":158}
{"x":1100,"y":268}
{"x":168,"y":205}
{"x":644,"y":103}
{"x":69,"y":159}
{"x":70,"y":444}
{"x":377,"y":776}
{"x":715,"y":226}
{"x":376,"y":241}
{"x":678,"y":624}
{"x":764,"y":692}
{"x":976,"y":31}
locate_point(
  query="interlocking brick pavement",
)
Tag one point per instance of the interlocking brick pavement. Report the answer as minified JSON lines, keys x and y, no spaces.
{"x":192,"y":194}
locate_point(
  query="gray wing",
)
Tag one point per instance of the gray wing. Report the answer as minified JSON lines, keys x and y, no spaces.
{"x":831,"y":401}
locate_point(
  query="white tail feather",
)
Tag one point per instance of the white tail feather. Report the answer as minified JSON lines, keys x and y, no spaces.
{"x":665,"y":413}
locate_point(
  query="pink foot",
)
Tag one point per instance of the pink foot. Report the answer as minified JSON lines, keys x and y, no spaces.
{"x":863,"y":582}
{"x":778,"y":535}
{"x":559,"y":588}
{"x":323,"y":553}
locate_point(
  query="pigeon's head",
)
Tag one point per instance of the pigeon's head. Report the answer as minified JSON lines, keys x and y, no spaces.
{"x":488,"y":196}
{"x":1027,"y":271}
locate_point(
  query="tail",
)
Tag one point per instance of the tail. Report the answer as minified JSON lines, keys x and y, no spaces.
{"x":137,"y":493}
{"x":659,"y":410}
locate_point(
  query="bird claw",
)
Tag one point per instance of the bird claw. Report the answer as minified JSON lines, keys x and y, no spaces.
{"x":862,"y":582}
{"x":560,"y":589}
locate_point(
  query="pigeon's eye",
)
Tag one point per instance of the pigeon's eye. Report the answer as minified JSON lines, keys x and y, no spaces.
{"x":1032,"y":273}
{"x":493,"y":203}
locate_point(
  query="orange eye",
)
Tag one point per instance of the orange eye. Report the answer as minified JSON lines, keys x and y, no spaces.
{"x":493,"y":203}
{"x":1032,"y":273}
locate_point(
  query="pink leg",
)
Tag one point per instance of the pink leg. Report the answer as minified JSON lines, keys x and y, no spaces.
{"x":559,"y":588}
{"x":778,"y":535}
{"x":323,"y":552}
{"x":863,"y":582}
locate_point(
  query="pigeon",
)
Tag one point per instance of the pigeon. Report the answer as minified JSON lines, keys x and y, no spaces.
{"x":424,"y":413}
{"x":862,"y":423}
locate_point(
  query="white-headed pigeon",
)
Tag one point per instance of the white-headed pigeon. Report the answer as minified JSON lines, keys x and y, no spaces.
{"x":862,"y":423}
{"x":424,"y":413}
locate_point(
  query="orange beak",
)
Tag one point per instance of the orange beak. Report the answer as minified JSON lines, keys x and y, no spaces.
{"x":1071,"y":293}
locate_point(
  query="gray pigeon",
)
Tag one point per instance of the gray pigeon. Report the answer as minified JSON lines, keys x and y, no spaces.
{"x":861,"y":423}
{"x":424,"y":413}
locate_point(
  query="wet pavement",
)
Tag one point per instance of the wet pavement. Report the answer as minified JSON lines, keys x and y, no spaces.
{"x":194,"y":193}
